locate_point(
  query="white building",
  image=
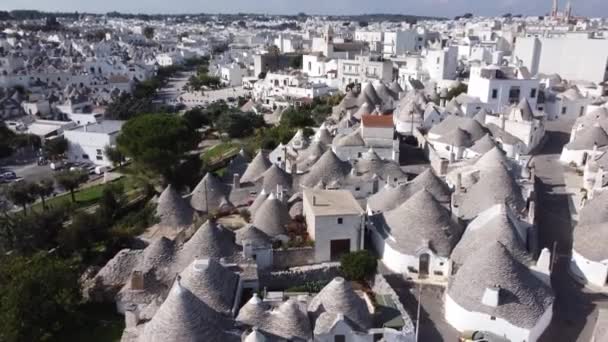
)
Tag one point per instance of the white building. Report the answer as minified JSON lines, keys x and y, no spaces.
{"x":499,"y":87}
{"x":493,"y":291}
{"x":231,"y":75}
{"x":364,"y":69}
{"x":334,"y":221}
{"x":416,"y":238}
{"x":88,"y":142}
{"x":573,"y":55}
{"x":441,"y":64}
{"x":567,"y":105}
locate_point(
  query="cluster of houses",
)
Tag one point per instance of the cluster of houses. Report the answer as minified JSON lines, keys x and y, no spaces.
{"x":472,"y":96}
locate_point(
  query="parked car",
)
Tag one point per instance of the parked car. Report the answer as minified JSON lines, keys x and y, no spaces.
{"x":481,"y":336}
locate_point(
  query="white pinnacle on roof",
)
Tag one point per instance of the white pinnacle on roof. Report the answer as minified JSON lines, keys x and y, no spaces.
{"x":260,"y":198}
{"x":272,"y":217}
{"x":212,"y":283}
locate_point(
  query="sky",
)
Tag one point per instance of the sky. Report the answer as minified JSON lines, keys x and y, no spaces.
{"x":444,"y":8}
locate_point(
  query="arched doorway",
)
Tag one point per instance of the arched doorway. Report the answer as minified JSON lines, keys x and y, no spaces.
{"x":423,"y":265}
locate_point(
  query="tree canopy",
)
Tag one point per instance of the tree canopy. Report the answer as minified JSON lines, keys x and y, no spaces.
{"x":156,"y":142}
{"x":39,"y":297}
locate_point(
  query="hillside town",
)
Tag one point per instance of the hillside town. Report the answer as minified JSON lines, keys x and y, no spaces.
{"x":254,"y":177}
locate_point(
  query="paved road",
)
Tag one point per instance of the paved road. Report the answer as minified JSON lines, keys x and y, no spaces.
{"x":433,"y":326}
{"x":575,"y":309}
{"x":172,"y":93}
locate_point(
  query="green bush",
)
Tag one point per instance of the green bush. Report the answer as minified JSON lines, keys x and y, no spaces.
{"x":358,"y":265}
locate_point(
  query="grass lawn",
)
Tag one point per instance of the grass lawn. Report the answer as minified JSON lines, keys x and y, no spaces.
{"x":84,"y":197}
{"x":216,"y":152}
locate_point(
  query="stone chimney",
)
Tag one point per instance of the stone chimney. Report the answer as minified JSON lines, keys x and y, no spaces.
{"x":532,"y":211}
{"x":137,"y":281}
{"x":131,"y":317}
{"x":491,"y":296}
{"x":236,"y":181}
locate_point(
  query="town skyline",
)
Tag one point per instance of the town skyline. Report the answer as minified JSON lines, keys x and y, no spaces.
{"x":441,"y":8}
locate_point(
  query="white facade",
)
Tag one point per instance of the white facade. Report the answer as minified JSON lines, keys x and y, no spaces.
{"x":464,"y":320}
{"x":231,"y":75}
{"x":588,"y":271}
{"x":442,"y":64}
{"x":363,"y":69}
{"x":497,"y":90}
{"x":88,"y":142}
{"x":566,"y":108}
{"x":574,"y":56}
{"x":333,"y":215}
{"x":439,"y":267}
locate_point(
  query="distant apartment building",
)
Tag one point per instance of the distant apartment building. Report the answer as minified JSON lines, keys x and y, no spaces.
{"x":574,"y":56}
{"x":500,"y":87}
{"x":364,"y":69}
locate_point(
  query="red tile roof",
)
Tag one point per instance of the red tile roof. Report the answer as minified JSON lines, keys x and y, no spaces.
{"x":377,"y":121}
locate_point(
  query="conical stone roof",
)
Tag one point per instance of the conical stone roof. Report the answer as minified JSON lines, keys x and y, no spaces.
{"x":253,"y":235}
{"x":495,"y":186}
{"x":212,"y":283}
{"x":428,"y":224}
{"x":272,"y":217}
{"x":276,"y":176}
{"x":173,"y":210}
{"x":329,"y":168}
{"x":523,"y":298}
{"x":208,"y":194}
{"x":211,"y":240}
{"x":259,"y":200}
{"x":256,"y":168}
{"x":338,"y":297}
{"x":494,"y":224}
{"x":184,"y":318}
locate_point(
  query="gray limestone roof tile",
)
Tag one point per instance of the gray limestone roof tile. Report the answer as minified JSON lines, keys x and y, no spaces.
{"x":587,"y":138}
{"x":422,"y":222}
{"x":185,"y":318}
{"x":492,"y":225}
{"x":495,"y":186}
{"x":272,"y":217}
{"x":329,"y":168}
{"x":173,"y":210}
{"x":212,"y":283}
{"x":275,"y":176}
{"x":523,"y":298}
{"x":256,"y":168}
{"x":209,"y":194}
{"x":253,"y":235}
{"x":339,"y":297}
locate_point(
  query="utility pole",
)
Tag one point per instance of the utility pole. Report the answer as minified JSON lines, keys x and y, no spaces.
{"x":418,"y":311}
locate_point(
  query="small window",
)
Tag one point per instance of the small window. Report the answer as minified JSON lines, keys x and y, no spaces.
{"x":410,"y":269}
{"x":564,"y":109}
{"x":357,"y":189}
{"x":99,"y":157}
{"x":339,"y":338}
{"x":99,"y":152}
{"x":438,"y":273}
{"x":85,"y":156}
{"x":493,"y":318}
{"x":494,"y":93}
{"x":533,"y":93}
{"x":340,"y":220}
